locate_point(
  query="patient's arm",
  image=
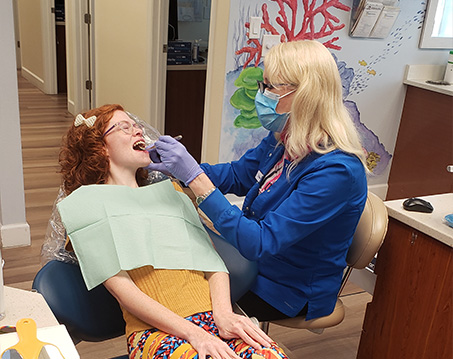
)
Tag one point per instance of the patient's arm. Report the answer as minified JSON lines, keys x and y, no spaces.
{"x":131,"y":298}
{"x":230,"y":324}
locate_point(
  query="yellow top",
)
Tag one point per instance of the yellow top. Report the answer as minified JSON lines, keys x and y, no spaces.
{"x":185,"y":292}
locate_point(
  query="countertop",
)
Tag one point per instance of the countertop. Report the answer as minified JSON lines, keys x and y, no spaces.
{"x":417,"y":75}
{"x":26,"y":304}
{"x":191,"y":67}
{"x":433,"y":224}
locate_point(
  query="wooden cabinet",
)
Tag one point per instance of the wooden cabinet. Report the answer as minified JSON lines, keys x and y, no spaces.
{"x":184,"y":108}
{"x":411,"y":313}
{"x":424,"y":146}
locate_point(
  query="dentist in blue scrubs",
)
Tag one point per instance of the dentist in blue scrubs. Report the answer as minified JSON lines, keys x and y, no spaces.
{"x":305,"y":186}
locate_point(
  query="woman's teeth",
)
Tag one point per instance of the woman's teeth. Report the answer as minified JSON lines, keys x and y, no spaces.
{"x":139,"y":146}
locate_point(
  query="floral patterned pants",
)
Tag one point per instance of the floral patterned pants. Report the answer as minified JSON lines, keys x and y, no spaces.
{"x":160,"y":345}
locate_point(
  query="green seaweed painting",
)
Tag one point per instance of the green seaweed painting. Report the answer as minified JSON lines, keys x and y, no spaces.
{"x":244,"y":97}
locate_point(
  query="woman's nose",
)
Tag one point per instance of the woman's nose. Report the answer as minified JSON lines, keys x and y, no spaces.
{"x":138,"y":130}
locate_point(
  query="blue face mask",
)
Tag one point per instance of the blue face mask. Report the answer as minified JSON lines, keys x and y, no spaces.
{"x":265,"y":104}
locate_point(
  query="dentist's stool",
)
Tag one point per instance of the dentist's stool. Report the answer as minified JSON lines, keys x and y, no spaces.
{"x":367,"y":240}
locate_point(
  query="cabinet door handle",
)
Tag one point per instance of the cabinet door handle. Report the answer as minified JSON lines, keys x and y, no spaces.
{"x":450,"y":168}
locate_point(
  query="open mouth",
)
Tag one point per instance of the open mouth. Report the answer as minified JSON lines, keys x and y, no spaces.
{"x":139,"y":145}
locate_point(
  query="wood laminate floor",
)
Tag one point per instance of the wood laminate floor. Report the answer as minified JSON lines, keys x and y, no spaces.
{"x":44,"y":120}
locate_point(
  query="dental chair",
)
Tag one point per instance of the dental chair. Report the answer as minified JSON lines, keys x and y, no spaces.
{"x":91,"y":316}
{"x":366,"y":242}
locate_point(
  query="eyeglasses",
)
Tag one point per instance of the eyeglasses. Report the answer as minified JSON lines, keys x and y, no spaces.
{"x":126,"y":127}
{"x":263,"y":86}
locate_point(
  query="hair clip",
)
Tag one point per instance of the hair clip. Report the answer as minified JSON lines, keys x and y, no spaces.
{"x":87,"y":121}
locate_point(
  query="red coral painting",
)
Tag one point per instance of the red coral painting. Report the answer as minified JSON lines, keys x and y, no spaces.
{"x":290,"y":28}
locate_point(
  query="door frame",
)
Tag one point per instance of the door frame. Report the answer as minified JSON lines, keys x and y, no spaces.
{"x":158,"y":63}
{"x":49,"y":46}
{"x":16,"y":33}
{"x":215,"y":80}
{"x":77,"y":55}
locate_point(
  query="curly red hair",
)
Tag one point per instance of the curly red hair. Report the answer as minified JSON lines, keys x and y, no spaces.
{"x":83,"y":158}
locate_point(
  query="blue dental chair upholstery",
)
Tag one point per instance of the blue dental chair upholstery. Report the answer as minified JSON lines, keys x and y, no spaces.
{"x":91,"y":316}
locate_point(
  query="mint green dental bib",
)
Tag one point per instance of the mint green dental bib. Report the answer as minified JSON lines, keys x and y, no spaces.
{"x":114,"y":228}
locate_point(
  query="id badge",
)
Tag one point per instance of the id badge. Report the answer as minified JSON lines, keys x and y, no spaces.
{"x":258,"y":176}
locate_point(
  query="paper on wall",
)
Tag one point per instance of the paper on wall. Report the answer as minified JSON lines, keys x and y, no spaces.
{"x":367,"y":15}
{"x":385,"y":22}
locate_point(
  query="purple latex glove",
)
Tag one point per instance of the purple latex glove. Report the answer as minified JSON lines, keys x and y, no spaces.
{"x":175,"y":159}
{"x":157,"y":164}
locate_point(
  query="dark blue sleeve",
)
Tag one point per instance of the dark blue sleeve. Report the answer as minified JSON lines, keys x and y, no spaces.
{"x":320,"y":196}
{"x":239,"y":176}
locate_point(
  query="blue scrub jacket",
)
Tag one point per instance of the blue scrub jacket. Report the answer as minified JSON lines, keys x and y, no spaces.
{"x":299,"y":230}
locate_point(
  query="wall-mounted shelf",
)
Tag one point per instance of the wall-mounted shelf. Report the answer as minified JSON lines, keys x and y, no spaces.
{"x":373,"y":19}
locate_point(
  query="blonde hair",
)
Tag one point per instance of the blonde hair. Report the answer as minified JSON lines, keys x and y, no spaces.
{"x":319,"y":121}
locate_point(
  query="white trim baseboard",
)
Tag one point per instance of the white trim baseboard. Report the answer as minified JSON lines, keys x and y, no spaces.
{"x":71,"y":107}
{"x":34,"y":79}
{"x":15,"y":235}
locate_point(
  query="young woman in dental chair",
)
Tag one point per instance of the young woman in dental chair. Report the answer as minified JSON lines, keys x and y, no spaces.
{"x":304,"y":185}
{"x":147,"y":246}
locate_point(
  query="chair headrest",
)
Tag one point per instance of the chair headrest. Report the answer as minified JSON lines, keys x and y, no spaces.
{"x":369,"y":234}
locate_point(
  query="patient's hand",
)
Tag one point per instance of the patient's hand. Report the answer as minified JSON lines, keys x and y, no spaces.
{"x":232,"y":325}
{"x":207,"y":344}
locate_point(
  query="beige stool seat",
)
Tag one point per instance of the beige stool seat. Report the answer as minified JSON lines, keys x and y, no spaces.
{"x":336,"y":317}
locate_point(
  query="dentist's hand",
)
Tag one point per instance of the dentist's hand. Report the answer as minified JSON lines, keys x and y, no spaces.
{"x":174,"y":159}
{"x":156,"y":164}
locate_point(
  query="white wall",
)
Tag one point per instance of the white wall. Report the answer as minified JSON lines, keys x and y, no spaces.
{"x":31,"y":41}
{"x":129,"y":62}
{"x":194,"y":30}
{"x":198,"y":12}
{"x":14,"y":231}
{"x":38,"y":46}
